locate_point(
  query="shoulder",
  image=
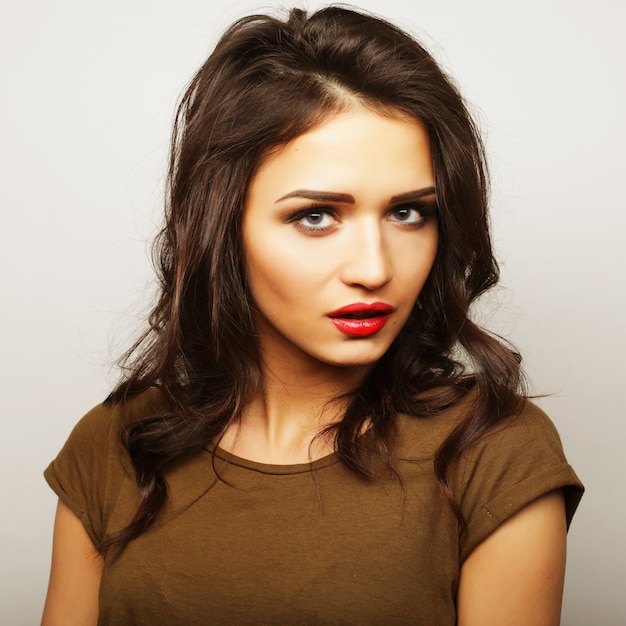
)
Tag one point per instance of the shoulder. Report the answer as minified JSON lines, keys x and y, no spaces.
{"x":528,"y":437}
{"x":109,"y":418}
{"x":422,"y":435}
{"x":529,"y":429}
{"x":514,"y":463}
{"x":523,"y":446}
{"x":530,"y":426}
{"x":92,"y":465}
{"x":101,"y":427}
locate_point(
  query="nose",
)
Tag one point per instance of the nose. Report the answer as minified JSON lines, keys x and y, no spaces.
{"x":367,"y":260}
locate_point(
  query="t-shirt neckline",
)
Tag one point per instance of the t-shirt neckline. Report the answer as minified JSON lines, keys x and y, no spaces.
{"x":270,"y":468}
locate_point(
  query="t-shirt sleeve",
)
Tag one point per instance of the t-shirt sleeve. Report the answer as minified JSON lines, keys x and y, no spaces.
{"x":78,"y":475}
{"x":508,"y":469}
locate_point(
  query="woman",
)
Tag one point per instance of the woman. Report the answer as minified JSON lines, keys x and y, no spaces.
{"x":312,"y":430}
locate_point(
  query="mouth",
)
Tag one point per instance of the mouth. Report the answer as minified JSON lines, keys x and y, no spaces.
{"x":361,"y":319}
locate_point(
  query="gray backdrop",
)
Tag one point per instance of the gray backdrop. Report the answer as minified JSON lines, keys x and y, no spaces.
{"x":88,"y":92}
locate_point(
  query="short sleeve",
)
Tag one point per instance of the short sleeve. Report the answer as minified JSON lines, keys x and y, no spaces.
{"x":78,"y":475}
{"x":508,"y":469}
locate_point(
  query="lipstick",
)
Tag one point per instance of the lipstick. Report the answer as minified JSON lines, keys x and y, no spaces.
{"x":361,"y":319}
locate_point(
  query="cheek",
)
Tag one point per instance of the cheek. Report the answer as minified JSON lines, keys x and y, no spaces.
{"x":430,"y":259}
{"x":426,"y":267}
{"x":413,"y":262}
{"x":273,"y":278}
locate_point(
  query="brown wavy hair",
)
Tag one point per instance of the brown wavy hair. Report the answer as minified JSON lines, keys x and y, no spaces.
{"x":268,"y":81}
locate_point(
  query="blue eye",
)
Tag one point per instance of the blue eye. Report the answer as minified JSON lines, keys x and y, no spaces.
{"x":313,"y":220}
{"x":407,"y":215}
{"x":411,"y":215}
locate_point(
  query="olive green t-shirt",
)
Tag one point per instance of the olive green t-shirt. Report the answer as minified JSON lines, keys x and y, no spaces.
{"x":303,"y":544}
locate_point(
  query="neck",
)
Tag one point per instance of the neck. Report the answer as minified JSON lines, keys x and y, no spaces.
{"x":300,"y":398}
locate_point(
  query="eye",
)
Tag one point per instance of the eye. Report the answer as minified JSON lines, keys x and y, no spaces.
{"x":313,"y":220}
{"x":411,"y":215}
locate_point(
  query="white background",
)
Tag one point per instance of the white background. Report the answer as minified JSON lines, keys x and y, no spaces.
{"x":88,"y":93}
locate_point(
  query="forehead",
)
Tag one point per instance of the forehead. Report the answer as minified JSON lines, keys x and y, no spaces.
{"x":350,"y":151}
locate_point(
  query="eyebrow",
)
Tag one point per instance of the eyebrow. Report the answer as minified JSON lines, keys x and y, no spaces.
{"x":413,"y":195}
{"x":324,"y":196}
{"x":347,"y":198}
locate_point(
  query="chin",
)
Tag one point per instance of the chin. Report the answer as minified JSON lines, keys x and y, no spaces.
{"x":356,"y":360}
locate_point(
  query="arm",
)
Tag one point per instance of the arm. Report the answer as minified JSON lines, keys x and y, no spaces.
{"x":515,"y":576}
{"x":72,"y":598}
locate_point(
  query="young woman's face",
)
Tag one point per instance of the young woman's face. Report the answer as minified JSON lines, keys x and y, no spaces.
{"x":339,"y":236}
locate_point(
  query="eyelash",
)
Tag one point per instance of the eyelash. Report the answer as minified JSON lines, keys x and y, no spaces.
{"x":297,"y":218}
{"x":425,"y":210}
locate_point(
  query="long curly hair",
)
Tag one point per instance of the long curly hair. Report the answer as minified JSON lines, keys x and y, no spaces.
{"x":267,"y":82}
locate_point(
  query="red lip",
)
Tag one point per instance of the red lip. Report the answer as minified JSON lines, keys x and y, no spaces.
{"x":361,"y":308}
{"x":361,"y":319}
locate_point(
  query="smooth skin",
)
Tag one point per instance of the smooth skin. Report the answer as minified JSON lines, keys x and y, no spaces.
{"x":75,"y":574}
{"x":343,"y":214}
{"x":372,"y":238}
{"x":515,"y":576}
